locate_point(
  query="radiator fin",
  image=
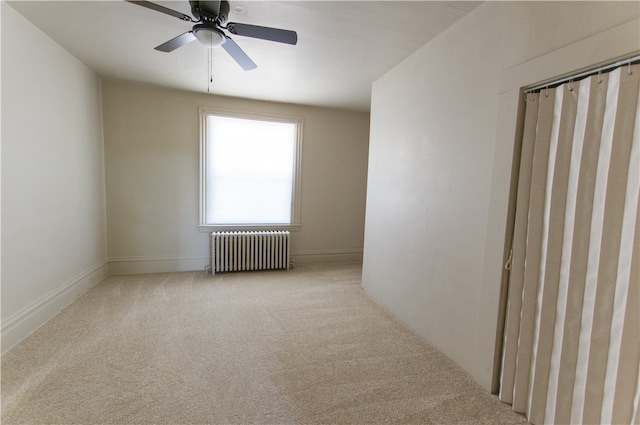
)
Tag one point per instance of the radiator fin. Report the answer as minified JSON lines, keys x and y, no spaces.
{"x":244,"y":251}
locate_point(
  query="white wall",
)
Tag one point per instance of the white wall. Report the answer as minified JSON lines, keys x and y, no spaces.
{"x":443,"y":124}
{"x":152,"y":160}
{"x":53,"y":203}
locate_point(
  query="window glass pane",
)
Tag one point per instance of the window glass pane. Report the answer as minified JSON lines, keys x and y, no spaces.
{"x":249,"y":171}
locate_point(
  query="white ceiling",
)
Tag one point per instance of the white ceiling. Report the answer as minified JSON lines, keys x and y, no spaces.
{"x":343,"y":46}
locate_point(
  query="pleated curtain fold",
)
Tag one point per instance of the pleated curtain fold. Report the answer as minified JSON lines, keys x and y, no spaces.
{"x":572,"y":334}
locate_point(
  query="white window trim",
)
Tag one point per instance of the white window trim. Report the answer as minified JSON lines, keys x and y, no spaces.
{"x":297,"y":178}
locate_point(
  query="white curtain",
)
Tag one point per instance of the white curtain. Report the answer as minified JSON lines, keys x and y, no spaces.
{"x":572,"y":334}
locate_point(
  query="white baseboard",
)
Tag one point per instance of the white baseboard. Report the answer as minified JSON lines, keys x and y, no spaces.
{"x":137,"y":265}
{"x":327,"y":256}
{"x":24,"y":322}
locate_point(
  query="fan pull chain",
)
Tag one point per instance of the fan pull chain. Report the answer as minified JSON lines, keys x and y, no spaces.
{"x":210,"y":71}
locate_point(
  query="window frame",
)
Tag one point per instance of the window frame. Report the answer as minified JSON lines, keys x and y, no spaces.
{"x":295,"y":224}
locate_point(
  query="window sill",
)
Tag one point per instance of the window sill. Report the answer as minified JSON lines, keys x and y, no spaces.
{"x":247,"y":227}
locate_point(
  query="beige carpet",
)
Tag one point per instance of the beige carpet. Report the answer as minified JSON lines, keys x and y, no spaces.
{"x":305,"y":346}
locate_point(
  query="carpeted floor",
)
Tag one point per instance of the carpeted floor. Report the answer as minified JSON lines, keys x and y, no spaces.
{"x":305,"y":346}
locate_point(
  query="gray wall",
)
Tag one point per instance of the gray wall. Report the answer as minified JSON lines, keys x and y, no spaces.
{"x":53,"y":204}
{"x":442,"y":140}
{"x":152,"y":177}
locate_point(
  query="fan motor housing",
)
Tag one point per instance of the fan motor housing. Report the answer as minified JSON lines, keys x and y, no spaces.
{"x":214,"y":11}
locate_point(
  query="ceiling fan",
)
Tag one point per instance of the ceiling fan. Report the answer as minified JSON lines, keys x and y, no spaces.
{"x":210,"y":20}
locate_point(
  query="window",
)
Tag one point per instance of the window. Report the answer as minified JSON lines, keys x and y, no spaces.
{"x":249,"y":170}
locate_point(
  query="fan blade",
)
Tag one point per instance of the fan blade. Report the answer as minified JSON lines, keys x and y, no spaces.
{"x":176,"y":42}
{"x":264,"y":33}
{"x":238,"y":55}
{"x":162,"y":9}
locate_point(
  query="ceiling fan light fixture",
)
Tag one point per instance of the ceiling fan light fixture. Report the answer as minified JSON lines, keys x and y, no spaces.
{"x":211,"y":16}
{"x":208,"y":36}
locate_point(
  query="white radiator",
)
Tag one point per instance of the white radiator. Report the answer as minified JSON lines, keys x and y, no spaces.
{"x":238,"y":251}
